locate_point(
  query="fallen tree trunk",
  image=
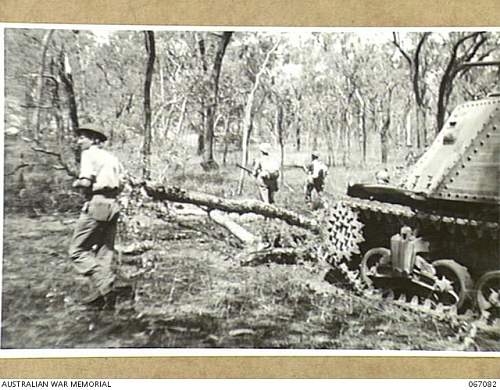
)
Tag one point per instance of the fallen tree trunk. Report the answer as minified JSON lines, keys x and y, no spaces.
{"x":255,"y":250}
{"x":175,"y":194}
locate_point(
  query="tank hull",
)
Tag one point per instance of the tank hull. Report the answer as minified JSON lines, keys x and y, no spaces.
{"x":449,"y":200}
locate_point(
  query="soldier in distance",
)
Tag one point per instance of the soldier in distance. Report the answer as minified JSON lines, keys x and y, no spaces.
{"x":266,"y":170}
{"x":316,"y":172}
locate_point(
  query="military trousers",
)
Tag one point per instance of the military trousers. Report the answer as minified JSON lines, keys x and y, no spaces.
{"x":266,"y":194}
{"x":313,"y":184}
{"x":92,"y":245}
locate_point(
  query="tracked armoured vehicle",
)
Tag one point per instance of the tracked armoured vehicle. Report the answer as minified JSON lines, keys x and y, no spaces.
{"x":435,"y":235}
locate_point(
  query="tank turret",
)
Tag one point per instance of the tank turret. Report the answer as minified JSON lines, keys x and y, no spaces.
{"x":463,"y":162}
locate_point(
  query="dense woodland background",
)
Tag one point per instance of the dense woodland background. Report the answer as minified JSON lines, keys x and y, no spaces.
{"x":174,"y":99}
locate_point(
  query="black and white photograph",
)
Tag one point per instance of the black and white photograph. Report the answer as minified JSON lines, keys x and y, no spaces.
{"x":268,"y":189}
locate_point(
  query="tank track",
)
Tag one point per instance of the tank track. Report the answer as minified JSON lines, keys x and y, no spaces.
{"x":468,"y":320}
{"x":468,"y":323}
{"x":404,"y":214}
{"x":400,"y":215}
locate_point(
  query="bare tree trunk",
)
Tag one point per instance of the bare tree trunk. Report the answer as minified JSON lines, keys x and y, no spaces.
{"x":247,"y":130}
{"x":384,"y":130}
{"x":208,"y":150}
{"x":83,"y":65}
{"x":362,"y":124}
{"x":67,"y":79}
{"x":343,"y":135}
{"x":146,"y":149}
{"x":56,"y":104}
{"x":363,"y":134}
{"x":383,"y":141}
{"x":349,"y":129}
{"x":298,"y":124}
{"x":181,"y":119}
{"x":210,"y":108}
{"x":297,"y":137}
{"x":39,"y":87}
{"x":226,"y":140}
{"x":201,"y":138}
{"x":418,"y":124}
{"x":279,"y":132}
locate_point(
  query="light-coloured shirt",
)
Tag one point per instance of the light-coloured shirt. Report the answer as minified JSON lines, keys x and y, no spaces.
{"x":102,"y":168}
{"x":317,"y":169}
{"x":266,"y":166}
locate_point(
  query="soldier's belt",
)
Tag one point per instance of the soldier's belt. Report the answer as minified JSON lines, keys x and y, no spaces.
{"x":107,"y":193}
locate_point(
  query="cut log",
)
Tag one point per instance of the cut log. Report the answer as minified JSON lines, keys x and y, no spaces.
{"x":240,"y":206}
{"x":238,"y":231}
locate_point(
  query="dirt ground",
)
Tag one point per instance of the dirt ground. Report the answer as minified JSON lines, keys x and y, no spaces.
{"x":193,"y":293}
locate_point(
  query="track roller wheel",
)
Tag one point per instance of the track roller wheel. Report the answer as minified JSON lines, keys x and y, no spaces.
{"x":458,"y":276}
{"x":371,"y":262}
{"x":488,"y":294}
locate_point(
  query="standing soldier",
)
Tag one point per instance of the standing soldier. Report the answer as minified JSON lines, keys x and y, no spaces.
{"x":267,"y":170}
{"x":316,"y":173}
{"x":92,"y":244}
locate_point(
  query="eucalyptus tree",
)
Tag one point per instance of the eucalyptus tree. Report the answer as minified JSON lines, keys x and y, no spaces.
{"x":52,"y":83}
{"x":460,"y":48}
{"x":211,"y":47}
{"x":411,"y":47}
{"x":149,"y":40}
{"x":40,"y":81}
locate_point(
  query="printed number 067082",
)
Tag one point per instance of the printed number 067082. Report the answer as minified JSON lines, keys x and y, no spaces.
{"x":483,"y":383}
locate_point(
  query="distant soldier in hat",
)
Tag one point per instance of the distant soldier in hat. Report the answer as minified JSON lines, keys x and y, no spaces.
{"x":316,"y":174}
{"x":267,"y":170}
{"x":92,"y":244}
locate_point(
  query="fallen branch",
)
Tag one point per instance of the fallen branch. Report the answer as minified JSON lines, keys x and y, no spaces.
{"x":63,"y":165}
{"x":273,"y":255}
{"x":241,"y":206}
{"x":44,"y":151}
{"x":19,"y":167}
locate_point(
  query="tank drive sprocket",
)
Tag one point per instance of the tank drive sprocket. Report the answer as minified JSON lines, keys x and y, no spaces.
{"x":342,"y":232}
